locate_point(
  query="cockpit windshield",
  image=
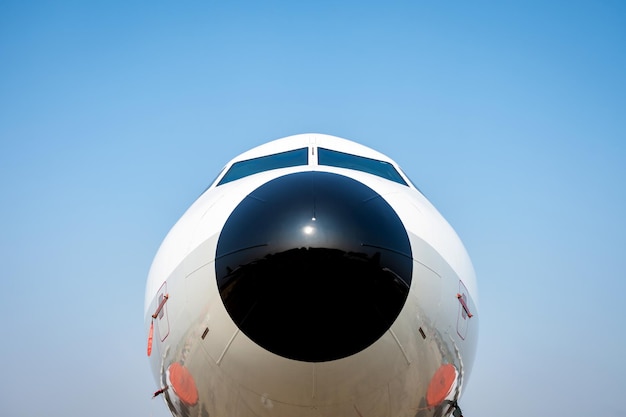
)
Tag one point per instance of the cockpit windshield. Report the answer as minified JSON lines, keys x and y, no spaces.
{"x":299,"y":157}
{"x":265,"y":163}
{"x":371,"y":166}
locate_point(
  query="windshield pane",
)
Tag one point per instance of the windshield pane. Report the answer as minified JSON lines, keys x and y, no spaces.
{"x":266,"y":163}
{"x":371,"y":166}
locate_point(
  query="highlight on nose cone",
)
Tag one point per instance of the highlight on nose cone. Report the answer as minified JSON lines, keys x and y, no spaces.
{"x":313,"y":266}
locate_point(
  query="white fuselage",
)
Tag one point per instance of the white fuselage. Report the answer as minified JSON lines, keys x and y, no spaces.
{"x":231,"y":339}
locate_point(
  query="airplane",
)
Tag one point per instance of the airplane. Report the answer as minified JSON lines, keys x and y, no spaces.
{"x":312,"y":278}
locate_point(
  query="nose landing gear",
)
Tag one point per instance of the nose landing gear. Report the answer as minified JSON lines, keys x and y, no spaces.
{"x":457,"y":410}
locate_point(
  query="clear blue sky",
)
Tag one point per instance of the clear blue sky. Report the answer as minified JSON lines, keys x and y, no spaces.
{"x":510,"y":116}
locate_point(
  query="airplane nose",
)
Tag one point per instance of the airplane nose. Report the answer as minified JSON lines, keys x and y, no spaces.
{"x":313,"y":266}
